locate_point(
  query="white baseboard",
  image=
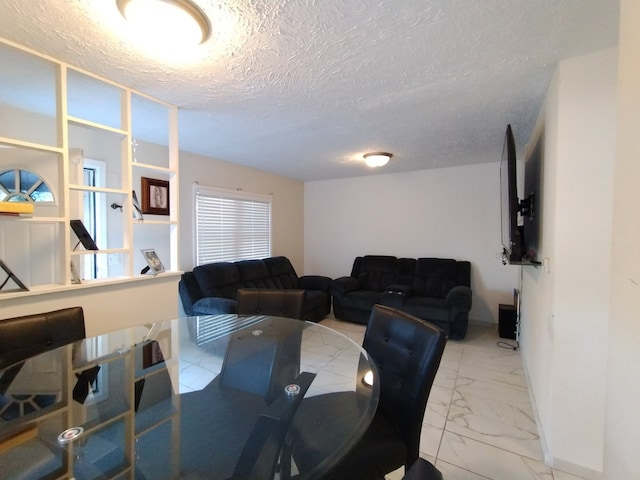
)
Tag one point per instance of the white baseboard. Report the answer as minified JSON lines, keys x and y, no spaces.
{"x":578,"y":470}
{"x":549,"y":459}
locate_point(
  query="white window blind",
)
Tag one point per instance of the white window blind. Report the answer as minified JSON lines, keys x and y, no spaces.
{"x":230,"y":225}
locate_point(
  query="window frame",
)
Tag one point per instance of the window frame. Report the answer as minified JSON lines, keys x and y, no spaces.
{"x":229,"y":195}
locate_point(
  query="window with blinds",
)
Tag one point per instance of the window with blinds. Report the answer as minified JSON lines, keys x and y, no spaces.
{"x":230,"y":225}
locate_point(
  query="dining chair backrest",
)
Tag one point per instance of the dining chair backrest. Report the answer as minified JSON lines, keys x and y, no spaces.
{"x":263,"y":360}
{"x":271,"y":301}
{"x":407,"y":352}
{"x":29,"y":335}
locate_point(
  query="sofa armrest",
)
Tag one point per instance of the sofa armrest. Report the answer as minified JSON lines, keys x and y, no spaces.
{"x":315,"y":282}
{"x":189,"y":292}
{"x":214,"y":306}
{"x":459,"y":295}
{"x":344,"y":285}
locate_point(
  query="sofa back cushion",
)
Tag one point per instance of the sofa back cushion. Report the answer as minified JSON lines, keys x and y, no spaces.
{"x":281,"y":272}
{"x":375,"y":272}
{"x":405,"y":271}
{"x":253,"y":274}
{"x":218,"y":279}
{"x":435,"y":277}
{"x":223,"y":279}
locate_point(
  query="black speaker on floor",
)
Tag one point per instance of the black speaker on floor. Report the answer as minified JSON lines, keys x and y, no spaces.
{"x":507,"y":317}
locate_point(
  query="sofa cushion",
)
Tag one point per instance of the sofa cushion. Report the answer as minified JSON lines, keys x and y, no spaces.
{"x":428,"y":308}
{"x":281,"y":272}
{"x":376,"y":272}
{"x":253,"y":274}
{"x":405,"y":271}
{"x":434,"y":277}
{"x":218,"y":279}
{"x":214,"y":306}
{"x":363,"y":299}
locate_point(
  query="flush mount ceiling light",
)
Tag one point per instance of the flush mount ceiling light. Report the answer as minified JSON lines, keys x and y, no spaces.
{"x":176,"y":21}
{"x":377,"y":159}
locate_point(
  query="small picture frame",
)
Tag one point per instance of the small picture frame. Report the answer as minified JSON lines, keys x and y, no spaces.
{"x":75,"y":276}
{"x":83,"y":235}
{"x":151,"y":354}
{"x":155,"y":196}
{"x":155,"y":265}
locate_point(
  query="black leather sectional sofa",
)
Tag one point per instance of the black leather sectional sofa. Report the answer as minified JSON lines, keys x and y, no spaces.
{"x":435,"y":289}
{"x":211,"y":289}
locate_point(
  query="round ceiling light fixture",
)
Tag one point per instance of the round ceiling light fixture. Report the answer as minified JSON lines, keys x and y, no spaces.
{"x":175,"y":21}
{"x":377,"y":159}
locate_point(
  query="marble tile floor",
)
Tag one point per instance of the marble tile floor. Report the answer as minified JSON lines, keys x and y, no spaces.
{"x":479,"y":423}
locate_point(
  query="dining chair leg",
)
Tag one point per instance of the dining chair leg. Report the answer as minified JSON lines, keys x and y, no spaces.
{"x":285,"y":462}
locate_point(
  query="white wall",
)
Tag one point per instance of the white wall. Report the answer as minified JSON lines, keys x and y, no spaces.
{"x":622,"y":436}
{"x":449,"y":213}
{"x":565,"y":309}
{"x":106,"y":307}
{"x":286,"y":209}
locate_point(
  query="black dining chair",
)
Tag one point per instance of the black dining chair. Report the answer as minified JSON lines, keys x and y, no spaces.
{"x":422,"y":470}
{"x":29,"y":335}
{"x":407,"y":352}
{"x":263,"y":360}
{"x":285,"y":302}
{"x":260,"y":456}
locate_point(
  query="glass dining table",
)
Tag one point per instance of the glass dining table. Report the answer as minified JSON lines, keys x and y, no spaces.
{"x":215,"y":397}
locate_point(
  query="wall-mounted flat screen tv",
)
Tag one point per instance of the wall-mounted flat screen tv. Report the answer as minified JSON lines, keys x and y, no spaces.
{"x":509,"y":204}
{"x":520,"y":219}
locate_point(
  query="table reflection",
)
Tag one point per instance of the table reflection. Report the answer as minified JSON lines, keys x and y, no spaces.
{"x":176,"y":398}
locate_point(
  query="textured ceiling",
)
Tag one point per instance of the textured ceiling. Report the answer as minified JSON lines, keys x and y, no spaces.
{"x":303,"y":88}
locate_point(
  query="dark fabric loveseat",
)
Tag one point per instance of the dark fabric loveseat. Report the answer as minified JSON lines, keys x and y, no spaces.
{"x":211,"y":289}
{"x":435,"y":289}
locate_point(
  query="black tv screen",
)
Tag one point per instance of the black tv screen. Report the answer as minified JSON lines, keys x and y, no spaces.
{"x":509,"y":204}
{"x":520,"y":217}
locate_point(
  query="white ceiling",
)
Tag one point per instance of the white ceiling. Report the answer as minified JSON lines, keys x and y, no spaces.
{"x":303,"y":88}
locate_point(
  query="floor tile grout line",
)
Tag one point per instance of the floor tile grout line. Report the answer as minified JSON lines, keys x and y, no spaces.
{"x":467,"y":470}
{"x":468,"y":437}
{"x":446,"y":418}
{"x":446,"y":421}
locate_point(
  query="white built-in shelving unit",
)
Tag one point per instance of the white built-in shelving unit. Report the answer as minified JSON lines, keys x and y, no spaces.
{"x":57,"y":121}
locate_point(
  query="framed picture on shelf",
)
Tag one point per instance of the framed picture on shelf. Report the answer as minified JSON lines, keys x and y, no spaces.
{"x":137,"y":211}
{"x":153,"y":261}
{"x":155,"y":196}
{"x":151,"y":354}
{"x":83,"y":235}
{"x":75,"y":276}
